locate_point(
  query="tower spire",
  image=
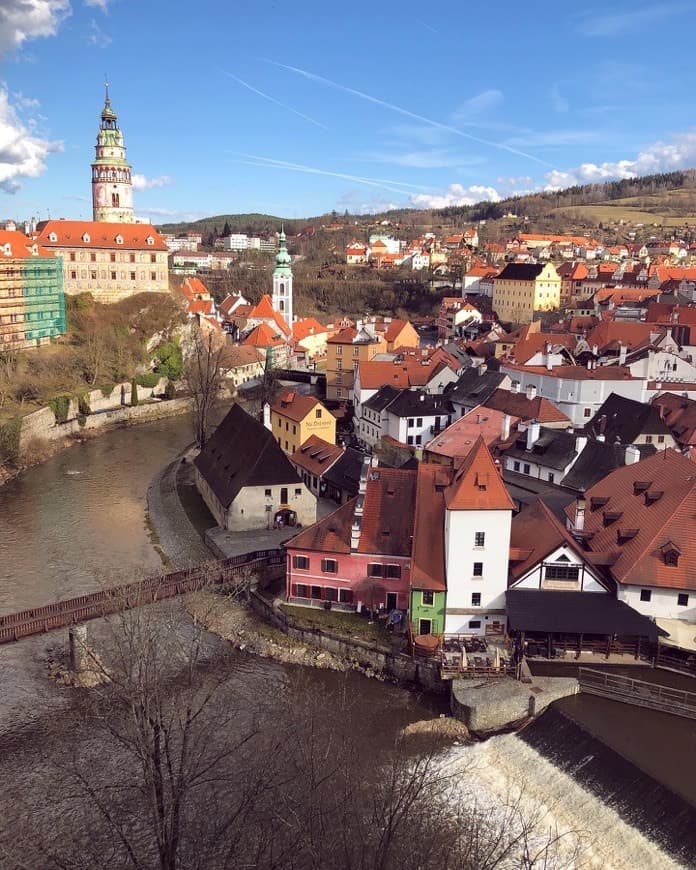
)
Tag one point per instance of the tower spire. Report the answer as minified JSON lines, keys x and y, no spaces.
{"x":112,"y":189}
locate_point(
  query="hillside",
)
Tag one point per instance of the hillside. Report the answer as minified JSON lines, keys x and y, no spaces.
{"x":667,"y":199}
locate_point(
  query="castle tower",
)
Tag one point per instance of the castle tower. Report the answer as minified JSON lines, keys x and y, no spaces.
{"x":112,"y":189}
{"x":282,"y":281}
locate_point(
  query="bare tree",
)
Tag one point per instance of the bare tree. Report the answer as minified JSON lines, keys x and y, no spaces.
{"x":204,"y":375}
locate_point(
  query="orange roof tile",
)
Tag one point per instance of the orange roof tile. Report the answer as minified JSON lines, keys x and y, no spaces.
{"x":387,"y":524}
{"x":316,"y":455}
{"x":305,"y":327}
{"x":459,"y":438}
{"x":296,"y":406}
{"x":428,"y":552}
{"x":264,"y":336}
{"x":73,"y":234}
{"x":21,"y":246}
{"x":477,"y":484}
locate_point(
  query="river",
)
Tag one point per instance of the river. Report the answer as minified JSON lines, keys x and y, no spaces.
{"x":78,"y":522}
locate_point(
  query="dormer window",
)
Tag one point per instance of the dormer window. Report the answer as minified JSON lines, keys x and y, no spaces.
{"x":119,"y":239}
{"x":150,"y":240}
{"x":7,"y":250}
{"x":52,"y":237}
{"x":671,"y":554}
{"x":86,"y":238}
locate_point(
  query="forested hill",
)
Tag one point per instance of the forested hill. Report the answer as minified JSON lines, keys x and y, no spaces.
{"x":668,"y":198}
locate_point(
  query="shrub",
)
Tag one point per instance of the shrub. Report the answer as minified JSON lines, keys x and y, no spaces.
{"x":9,"y":439}
{"x":148,"y":379}
{"x":134,"y":393}
{"x":107,"y":390}
{"x":81,"y":420}
{"x":60,"y":405}
{"x":83,"y":405}
{"x":170,"y":390}
{"x":168,"y":360}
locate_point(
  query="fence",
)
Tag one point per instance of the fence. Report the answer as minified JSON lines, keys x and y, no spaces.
{"x":638,"y":692}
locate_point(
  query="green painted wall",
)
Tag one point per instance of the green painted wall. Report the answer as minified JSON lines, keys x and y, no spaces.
{"x":42,"y":294}
{"x":434,"y":611}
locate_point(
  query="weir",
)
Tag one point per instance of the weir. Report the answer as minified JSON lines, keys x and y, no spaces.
{"x":638,"y":692}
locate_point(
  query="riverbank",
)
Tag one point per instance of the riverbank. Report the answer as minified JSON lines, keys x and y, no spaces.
{"x":38,"y":448}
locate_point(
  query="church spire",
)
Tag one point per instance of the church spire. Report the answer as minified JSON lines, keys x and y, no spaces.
{"x":282,"y":280}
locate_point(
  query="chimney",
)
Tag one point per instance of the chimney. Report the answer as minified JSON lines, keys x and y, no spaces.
{"x":533,"y":431}
{"x":580,"y":505}
{"x":267,"y":416}
{"x":632,"y":455}
{"x":482,"y":369}
{"x":505,"y":427}
{"x":531,"y":391}
{"x":622,"y":354}
{"x":515,"y":387}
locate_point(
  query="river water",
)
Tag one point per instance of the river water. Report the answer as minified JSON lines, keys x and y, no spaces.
{"x":78,"y":522}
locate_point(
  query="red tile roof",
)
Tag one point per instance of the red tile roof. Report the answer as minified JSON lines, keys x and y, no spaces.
{"x":428,"y":553}
{"x":194,"y":288}
{"x":329,"y":535}
{"x":73,"y":234}
{"x":518,"y":405}
{"x":264,"y":311}
{"x":21,"y":246}
{"x":460,"y":437}
{"x":477,"y":484}
{"x":305,"y":327}
{"x":387,"y":524}
{"x":316,"y":455}
{"x":296,"y":406}
{"x":264,"y":336}
{"x":640,"y":511}
{"x":409,"y":373}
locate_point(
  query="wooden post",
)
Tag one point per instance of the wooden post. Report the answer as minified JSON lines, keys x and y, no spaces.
{"x":548,"y":645}
{"x":577,"y":654}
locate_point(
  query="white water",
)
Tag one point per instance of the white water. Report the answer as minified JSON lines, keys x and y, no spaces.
{"x":504,"y":771}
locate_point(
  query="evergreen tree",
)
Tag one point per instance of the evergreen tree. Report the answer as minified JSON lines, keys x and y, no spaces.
{"x":134,"y":393}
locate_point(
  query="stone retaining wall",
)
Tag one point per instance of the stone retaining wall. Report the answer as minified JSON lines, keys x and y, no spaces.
{"x":106,"y":411}
{"x":400,"y":668}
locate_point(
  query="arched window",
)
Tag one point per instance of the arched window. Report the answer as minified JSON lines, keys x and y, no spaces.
{"x":114,"y":200}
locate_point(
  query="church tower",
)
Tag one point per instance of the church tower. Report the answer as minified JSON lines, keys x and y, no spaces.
{"x":282,"y":281}
{"x":112,"y":189}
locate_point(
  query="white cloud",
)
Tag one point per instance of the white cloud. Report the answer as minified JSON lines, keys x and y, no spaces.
{"x":612,"y":24}
{"x":99,"y":4}
{"x":97,"y":36}
{"x":455,"y":195}
{"x":22,"y":154}
{"x":482,"y":102}
{"x":27,"y":19}
{"x":140,"y":182}
{"x":680,"y":153}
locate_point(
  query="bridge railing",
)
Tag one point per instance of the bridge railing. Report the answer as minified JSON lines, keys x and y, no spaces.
{"x":103,"y":602}
{"x":638,"y":692}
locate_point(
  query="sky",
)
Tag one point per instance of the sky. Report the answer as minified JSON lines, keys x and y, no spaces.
{"x":298,"y":109}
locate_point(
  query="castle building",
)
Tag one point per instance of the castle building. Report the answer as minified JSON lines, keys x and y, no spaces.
{"x":113,"y":256}
{"x":112,"y":186}
{"x":282,"y":281}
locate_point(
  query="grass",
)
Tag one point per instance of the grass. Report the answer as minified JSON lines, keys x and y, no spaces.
{"x":340,"y":622}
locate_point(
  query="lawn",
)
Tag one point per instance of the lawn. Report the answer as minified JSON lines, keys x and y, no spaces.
{"x":340,"y":622}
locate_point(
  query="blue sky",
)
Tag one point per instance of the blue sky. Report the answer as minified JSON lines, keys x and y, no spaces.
{"x":300,"y":108}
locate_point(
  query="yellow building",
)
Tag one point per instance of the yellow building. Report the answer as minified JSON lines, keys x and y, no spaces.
{"x":344,"y":352}
{"x":109,"y":260}
{"x":523,"y":288}
{"x":295,"y":417}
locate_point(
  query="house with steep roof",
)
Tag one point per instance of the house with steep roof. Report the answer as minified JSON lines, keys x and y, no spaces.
{"x":341,"y":481}
{"x":313,"y":459}
{"x":242,"y":364}
{"x":296,"y":417}
{"x":360,"y":555}
{"x":271,"y":343}
{"x":527,"y":405}
{"x":679,"y":415}
{"x":408,"y":416}
{"x":453,"y":443}
{"x":639,"y":522}
{"x":345,"y":350}
{"x":473,"y":387}
{"x":625,"y":421}
{"x":310,"y":336}
{"x":247,"y":481}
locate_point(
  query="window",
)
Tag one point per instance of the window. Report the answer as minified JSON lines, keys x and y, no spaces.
{"x":427,"y":598}
{"x":479,"y":539}
{"x":316,"y":592}
{"x":330,"y":594}
{"x":318,"y":414}
{"x":392,"y":572}
{"x":339,"y":350}
{"x":153,"y":258}
{"x":660,"y":439}
{"x":374,"y":569}
{"x":301,"y":562}
{"x":153,"y":276}
{"x":92,"y":257}
{"x":345,"y":596}
{"x":419,"y":421}
{"x":587,"y":412}
{"x":294,"y":429}
{"x":72,"y":256}
{"x":515,"y":466}
{"x":410,"y":422}
{"x":475,"y":599}
{"x":131,"y":257}
{"x":478,"y":569}
{"x":112,"y":257}
{"x":474,"y":623}
{"x":329,"y":566}
{"x":339,"y":365}
{"x":551,"y":477}
{"x":419,"y":439}
{"x":284,"y":490}
{"x":561,"y":572}
{"x":645,"y":594}
{"x":409,"y":440}
{"x":300,"y":590}
{"x":298,"y":490}
{"x":132,"y":276}
{"x":113,"y":276}
{"x":648,"y":439}
{"x":268,"y":493}
{"x":683,"y":599}
{"x":526,"y":468}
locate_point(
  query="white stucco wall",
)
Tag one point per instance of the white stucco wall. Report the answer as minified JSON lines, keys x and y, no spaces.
{"x":587,"y":581}
{"x":663,"y":602}
{"x":460,"y":556}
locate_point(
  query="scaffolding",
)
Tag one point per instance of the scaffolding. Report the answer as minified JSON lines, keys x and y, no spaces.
{"x":32,"y":303}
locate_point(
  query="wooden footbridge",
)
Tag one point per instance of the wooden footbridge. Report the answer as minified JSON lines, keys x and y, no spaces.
{"x":73,"y":611}
{"x":638,"y":692}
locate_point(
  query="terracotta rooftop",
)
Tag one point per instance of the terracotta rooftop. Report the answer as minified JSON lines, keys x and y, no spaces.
{"x":518,"y":405}
{"x":578,"y":373}
{"x":93,"y":234}
{"x":641,"y":513}
{"x":459,"y":438}
{"x":316,"y":455}
{"x":20,"y":246}
{"x":307,"y":326}
{"x":264,"y":335}
{"x":428,"y":553}
{"x":296,"y":406}
{"x":477,"y":484}
{"x":328,"y":535}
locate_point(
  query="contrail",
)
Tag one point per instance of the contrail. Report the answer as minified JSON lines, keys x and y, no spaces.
{"x":273,"y":100}
{"x":440,"y":126}
{"x":386,"y":184}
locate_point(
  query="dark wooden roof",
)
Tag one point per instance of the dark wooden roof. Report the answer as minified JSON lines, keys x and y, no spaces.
{"x":551,"y":610}
{"x":241,"y":452}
